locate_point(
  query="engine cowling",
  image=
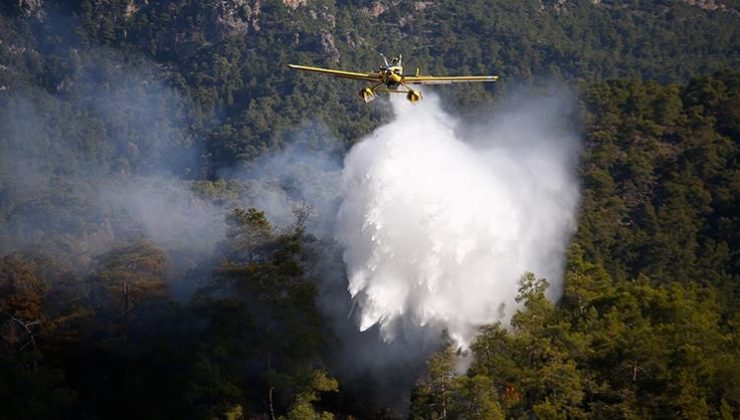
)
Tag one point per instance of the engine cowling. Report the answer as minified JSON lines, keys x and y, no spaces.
{"x":367,"y":95}
{"x":413,"y":96}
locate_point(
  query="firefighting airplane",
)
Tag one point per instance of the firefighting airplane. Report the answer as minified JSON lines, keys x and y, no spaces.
{"x":390,"y":79}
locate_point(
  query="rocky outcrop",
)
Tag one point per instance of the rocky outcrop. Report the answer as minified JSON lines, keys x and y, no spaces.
{"x":328,"y":45}
{"x":705,"y":4}
{"x":236,"y":17}
{"x":294,"y":4}
{"x":32,"y":7}
{"x":422,"y":5}
{"x":131,"y":8}
{"x":377,"y":9}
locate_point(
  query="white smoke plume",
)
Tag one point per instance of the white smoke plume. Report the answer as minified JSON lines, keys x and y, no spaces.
{"x":439,"y":219}
{"x":166,"y":211}
{"x":298,"y":175}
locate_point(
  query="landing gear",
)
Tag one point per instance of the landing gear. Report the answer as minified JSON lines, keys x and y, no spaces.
{"x":413,"y":96}
{"x":367,"y":95}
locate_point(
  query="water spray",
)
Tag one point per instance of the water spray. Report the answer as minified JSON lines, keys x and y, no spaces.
{"x":439,"y":219}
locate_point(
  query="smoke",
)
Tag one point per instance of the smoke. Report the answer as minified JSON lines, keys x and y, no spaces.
{"x":167,"y":210}
{"x":305,"y":173}
{"x":440,"y":219}
{"x":102,"y":158}
{"x":426,"y":227}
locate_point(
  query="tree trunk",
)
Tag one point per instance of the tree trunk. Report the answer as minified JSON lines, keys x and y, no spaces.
{"x":270,"y":389}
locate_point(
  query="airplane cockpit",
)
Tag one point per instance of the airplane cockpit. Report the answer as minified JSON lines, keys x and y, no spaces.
{"x":395,"y":66}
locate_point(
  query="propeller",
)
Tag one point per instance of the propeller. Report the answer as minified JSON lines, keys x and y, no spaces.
{"x":386,"y":60}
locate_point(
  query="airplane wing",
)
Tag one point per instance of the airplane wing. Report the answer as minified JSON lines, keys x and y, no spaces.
{"x":372,"y":77}
{"x":443,"y":80}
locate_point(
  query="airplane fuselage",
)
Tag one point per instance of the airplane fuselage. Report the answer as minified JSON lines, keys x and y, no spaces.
{"x":391,"y":76}
{"x":390,"y":79}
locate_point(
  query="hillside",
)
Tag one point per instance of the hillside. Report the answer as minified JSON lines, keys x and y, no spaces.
{"x":229,"y":58}
{"x":148,"y":268}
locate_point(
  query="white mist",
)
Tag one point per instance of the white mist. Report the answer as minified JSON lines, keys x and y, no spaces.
{"x":439,"y":221}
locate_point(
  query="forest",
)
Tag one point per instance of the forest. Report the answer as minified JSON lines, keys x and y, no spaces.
{"x":144,"y":274}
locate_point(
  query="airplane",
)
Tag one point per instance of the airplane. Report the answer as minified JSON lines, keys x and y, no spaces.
{"x":390,"y":79}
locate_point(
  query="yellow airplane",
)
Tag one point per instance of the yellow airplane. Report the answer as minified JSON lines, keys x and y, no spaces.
{"x":390,"y":79}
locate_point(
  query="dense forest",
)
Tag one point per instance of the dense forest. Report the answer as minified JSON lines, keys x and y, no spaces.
{"x":143,"y":273}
